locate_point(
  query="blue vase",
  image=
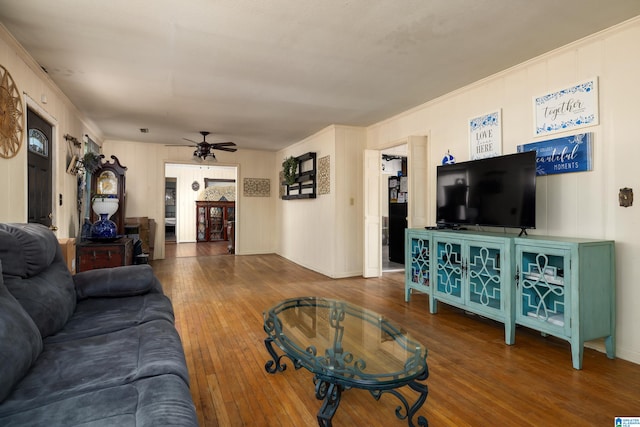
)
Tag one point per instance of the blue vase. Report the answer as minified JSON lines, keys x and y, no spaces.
{"x":104,"y":228}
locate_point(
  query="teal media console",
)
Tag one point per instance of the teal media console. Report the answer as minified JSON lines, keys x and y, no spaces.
{"x":560,"y":286}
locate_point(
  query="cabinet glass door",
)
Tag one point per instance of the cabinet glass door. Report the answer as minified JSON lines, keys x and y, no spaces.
{"x":231,"y":213}
{"x":419,"y":252}
{"x":448,"y":269}
{"x":543,"y":295}
{"x":484,"y":275}
{"x":216,"y":225}
{"x":202,"y":223}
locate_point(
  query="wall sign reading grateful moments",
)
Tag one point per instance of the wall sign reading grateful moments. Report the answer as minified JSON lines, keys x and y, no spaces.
{"x":562,"y":155}
{"x":571,"y":108}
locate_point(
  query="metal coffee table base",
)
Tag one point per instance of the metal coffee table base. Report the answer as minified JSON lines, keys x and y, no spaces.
{"x":329,"y":391}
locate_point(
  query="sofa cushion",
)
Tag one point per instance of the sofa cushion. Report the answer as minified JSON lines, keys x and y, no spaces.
{"x":98,"y":316}
{"x":20,"y":341}
{"x":38,"y":278}
{"x":71,"y":368}
{"x":121,"y":281}
{"x":26,"y":249}
{"x":49,"y":297}
{"x":158,"y":401}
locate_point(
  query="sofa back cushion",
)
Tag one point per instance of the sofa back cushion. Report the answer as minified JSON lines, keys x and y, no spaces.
{"x":20,"y":341}
{"x":36,"y":274}
{"x":26,"y":249}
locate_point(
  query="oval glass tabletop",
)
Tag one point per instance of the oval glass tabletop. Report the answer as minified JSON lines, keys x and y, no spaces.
{"x":344,"y":343}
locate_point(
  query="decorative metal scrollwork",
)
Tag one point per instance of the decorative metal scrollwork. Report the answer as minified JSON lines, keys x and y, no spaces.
{"x":484,"y":277}
{"x":337,"y":369}
{"x":449,"y":270}
{"x":420,"y":261}
{"x":407,"y":411}
{"x":544,"y":298}
{"x":275,"y":365}
{"x":330,"y":394}
{"x":11,"y":113}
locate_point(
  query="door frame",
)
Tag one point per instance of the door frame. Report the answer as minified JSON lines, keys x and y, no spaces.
{"x":33,"y":105}
{"x":418,"y":203}
{"x":237,"y":229}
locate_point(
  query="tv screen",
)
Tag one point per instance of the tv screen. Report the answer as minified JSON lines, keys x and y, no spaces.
{"x":497,"y":191}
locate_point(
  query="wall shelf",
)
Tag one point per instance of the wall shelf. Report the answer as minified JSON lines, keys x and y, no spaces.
{"x":304,"y":186}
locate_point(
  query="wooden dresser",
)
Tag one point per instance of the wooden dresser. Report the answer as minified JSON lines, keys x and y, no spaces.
{"x":91,"y":255}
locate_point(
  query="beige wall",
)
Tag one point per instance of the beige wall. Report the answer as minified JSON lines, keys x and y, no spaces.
{"x":576,"y":204}
{"x":145,"y":164}
{"x":185,"y":174}
{"x":35,"y":86}
{"x":325,"y":234}
{"x":348,"y":215}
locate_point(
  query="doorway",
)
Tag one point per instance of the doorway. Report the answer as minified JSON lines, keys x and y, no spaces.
{"x":187,"y":186}
{"x":170,"y":210}
{"x":40,"y":202}
{"x":418,"y":192}
{"x":393,"y":205}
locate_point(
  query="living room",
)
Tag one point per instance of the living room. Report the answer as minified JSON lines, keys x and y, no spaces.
{"x":582,"y":204}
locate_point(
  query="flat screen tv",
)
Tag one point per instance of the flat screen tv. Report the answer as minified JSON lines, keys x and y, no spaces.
{"x":497,"y":191}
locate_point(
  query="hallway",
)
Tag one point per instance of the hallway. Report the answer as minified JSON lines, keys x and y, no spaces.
{"x":387,"y":265}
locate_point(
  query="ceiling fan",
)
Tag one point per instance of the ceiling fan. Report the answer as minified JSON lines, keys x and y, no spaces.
{"x":205,"y":149}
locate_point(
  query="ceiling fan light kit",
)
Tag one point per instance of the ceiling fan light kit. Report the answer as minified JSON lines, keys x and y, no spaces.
{"x":204,"y":149}
{"x":201,"y":155}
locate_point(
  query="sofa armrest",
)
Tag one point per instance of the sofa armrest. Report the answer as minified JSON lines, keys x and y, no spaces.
{"x":123,"y":281}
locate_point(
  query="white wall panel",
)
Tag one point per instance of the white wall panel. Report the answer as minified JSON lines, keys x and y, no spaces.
{"x":577,"y":204}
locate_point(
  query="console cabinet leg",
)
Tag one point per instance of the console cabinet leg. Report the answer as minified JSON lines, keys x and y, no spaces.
{"x":610,"y":346}
{"x":577,"y":352}
{"x":509,"y":332}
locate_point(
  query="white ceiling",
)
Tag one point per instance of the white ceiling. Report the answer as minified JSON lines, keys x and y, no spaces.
{"x":266,"y":74}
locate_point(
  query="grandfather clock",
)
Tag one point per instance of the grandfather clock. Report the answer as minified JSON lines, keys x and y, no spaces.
{"x":109,"y":179}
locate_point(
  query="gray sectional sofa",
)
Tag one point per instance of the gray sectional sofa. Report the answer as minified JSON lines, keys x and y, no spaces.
{"x":95,"y":349}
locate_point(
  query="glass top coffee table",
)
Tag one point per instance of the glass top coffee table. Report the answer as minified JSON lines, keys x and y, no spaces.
{"x":346,"y":346}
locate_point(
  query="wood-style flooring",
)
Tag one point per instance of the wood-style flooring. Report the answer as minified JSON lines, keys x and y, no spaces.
{"x":182,"y":250}
{"x":475,"y":378}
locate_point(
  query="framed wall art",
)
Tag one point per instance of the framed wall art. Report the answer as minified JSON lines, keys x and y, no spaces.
{"x":567,"y":109}
{"x":485,"y":135}
{"x":257,"y":187}
{"x":324,"y":175}
{"x":562,"y":155}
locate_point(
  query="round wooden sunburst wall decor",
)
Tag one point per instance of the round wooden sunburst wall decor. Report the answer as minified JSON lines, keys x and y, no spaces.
{"x":10,"y":116}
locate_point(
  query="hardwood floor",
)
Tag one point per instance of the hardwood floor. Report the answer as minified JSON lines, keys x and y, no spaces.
{"x":475,"y":378}
{"x":181,"y":250}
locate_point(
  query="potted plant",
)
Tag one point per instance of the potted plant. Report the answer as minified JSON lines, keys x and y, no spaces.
{"x":91,"y":162}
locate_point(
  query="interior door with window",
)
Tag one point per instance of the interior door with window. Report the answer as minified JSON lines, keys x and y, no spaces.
{"x":40,"y":207}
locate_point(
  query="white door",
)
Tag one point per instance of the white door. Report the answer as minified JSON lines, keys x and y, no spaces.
{"x":372,"y":228}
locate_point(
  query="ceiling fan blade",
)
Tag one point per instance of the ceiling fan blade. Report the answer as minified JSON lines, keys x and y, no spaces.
{"x":222,"y":144}
{"x":180,"y":145}
{"x":225,"y":149}
{"x":190,"y":140}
